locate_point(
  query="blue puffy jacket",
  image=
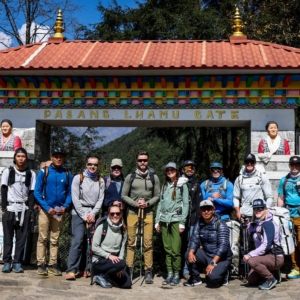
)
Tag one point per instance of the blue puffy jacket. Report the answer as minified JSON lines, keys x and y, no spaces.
{"x":58,"y":193}
{"x":213,"y":237}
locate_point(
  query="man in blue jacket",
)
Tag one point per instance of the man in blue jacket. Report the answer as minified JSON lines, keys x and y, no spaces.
{"x":53,"y":195}
{"x":212,"y":234}
{"x":219,"y":190}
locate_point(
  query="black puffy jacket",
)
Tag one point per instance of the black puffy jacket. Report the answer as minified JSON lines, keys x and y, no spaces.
{"x":213,"y":237}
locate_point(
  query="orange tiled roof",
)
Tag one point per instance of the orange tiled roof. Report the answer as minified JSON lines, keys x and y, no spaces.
{"x":116,"y":55}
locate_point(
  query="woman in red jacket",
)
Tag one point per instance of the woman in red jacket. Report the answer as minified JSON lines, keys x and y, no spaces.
{"x":9,"y":142}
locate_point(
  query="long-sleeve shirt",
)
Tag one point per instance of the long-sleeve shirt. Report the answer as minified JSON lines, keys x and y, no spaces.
{"x":87,"y":198}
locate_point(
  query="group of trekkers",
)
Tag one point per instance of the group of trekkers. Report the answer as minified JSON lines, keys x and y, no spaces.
{"x":188,"y":215}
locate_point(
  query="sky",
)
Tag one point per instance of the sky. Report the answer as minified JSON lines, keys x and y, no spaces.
{"x":88,"y":15}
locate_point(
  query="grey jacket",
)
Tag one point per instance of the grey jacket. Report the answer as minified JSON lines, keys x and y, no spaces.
{"x":87,"y":199}
{"x":112,"y":243}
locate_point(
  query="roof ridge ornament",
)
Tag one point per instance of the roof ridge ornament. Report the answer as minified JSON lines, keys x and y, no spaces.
{"x":58,"y":28}
{"x":238,"y":26}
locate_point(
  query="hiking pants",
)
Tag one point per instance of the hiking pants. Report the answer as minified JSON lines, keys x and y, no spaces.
{"x":187,"y":241}
{"x":261,"y":267}
{"x":202,"y":261}
{"x":296,"y":255}
{"x":11,"y":227}
{"x":45,"y":222}
{"x":172,"y":245}
{"x":107,"y":267}
{"x":75,"y":254}
{"x":132,"y":223}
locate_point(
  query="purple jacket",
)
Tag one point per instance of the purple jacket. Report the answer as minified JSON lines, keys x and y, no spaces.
{"x":264,"y":242}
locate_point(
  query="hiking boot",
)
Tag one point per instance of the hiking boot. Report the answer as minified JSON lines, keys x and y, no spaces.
{"x":193,"y":281}
{"x":168,"y":280}
{"x":6,"y":268}
{"x":294,"y":274}
{"x":102,"y":281}
{"x":268,"y":284}
{"x":186,"y":276}
{"x":17,"y":268}
{"x":70,"y":276}
{"x":54,"y":270}
{"x":225,"y":282}
{"x":42,"y":270}
{"x":148,"y":276}
{"x":277,"y":275}
{"x":175,"y":280}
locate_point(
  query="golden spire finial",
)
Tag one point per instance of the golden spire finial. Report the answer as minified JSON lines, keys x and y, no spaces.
{"x":58,"y":27}
{"x":238,"y":26}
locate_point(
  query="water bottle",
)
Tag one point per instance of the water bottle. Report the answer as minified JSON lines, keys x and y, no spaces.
{"x":291,"y":226}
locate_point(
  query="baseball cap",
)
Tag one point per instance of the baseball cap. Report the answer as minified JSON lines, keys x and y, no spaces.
{"x":249,"y":156}
{"x":206,"y":203}
{"x":189,"y":163}
{"x":294,"y":159}
{"x":57,"y":150}
{"x":116,"y":162}
{"x":216,"y":165}
{"x":171,"y":165}
{"x":257,"y":203}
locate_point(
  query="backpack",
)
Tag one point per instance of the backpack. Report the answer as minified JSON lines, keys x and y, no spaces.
{"x":208,"y":186}
{"x":11,"y":176}
{"x":151,"y":175}
{"x":46,"y":173}
{"x":283,"y":220}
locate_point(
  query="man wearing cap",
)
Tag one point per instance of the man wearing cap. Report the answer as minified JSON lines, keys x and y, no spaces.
{"x":212,"y":233}
{"x":87,"y":198}
{"x":289,"y":197}
{"x":251,"y":184}
{"x":17,"y":185}
{"x":219,"y":190}
{"x":195,"y":197}
{"x":53,"y":195}
{"x":113,"y":186}
{"x":140,"y":192}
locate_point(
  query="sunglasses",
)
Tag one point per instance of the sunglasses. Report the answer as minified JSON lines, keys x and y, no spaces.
{"x":90,"y":165}
{"x":259,"y":209}
{"x":249,"y":162}
{"x":186,"y":168}
{"x":142,"y":160}
{"x":216,"y":170}
{"x":116,"y":168}
{"x":114,"y":213}
{"x":206,"y":208}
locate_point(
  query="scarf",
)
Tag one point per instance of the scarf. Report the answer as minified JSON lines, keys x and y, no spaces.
{"x":142,"y":174}
{"x":273,"y":147}
{"x":91,"y":175}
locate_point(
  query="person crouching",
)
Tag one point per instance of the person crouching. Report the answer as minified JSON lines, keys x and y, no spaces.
{"x":267,"y":257}
{"x":108,"y":251}
{"x":213,"y":234}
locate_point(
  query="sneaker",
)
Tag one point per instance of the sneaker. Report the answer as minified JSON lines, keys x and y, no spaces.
{"x":148,"y":276}
{"x":277,"y":275}
{"x":193,"y":281}
{"x":17,"y":268}
{"x":70,"y":276}
{"x":168,"y":280}
{"x":175,"y":280}
{"x":294,"y":274}
{"x":53,"y":269}
{"x":268,"y":284}
{"x":102,"y":281}
{"x":186,"y":276}
{"x":225,"y":282}
{"x":42,"y":270}
{"x":6,"y":268}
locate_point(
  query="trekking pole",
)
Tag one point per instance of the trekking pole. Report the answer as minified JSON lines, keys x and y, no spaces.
{"x":245,"y":240}
{"x":141,"y":233}
{"x":88,"y":266}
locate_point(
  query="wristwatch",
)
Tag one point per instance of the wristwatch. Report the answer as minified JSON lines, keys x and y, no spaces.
{"x":213,"y":263}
